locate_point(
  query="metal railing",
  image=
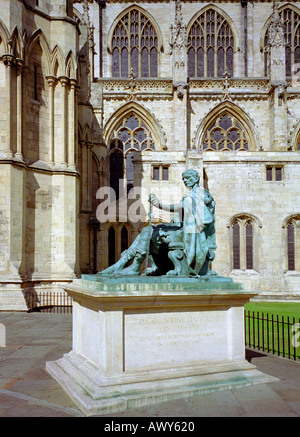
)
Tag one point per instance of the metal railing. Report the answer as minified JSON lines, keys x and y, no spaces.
{"x":273,"y":334}
{"x":49,"y":302}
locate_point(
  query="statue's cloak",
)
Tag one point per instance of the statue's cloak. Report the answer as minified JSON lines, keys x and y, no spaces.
{"x":198,"y":209}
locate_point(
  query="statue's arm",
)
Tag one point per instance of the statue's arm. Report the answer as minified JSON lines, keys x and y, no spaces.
{"x":173,"y":207}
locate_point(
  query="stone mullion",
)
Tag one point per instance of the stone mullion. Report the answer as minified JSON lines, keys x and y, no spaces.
{"x":243,"y":260}
{"x":71,"y":125}
{"x":64,"y":83}
{"x":84,"y":186}
{"x":9,"y":61}
{"x":20,"y":99}
{"x":89,"y":147}
{"x":51,"y":87}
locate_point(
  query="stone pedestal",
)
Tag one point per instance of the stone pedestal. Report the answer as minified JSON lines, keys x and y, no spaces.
{"x":153,"y":339}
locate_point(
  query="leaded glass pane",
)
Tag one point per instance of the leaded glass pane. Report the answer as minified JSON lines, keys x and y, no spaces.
{"x":210,"y":62}
{"x":124,"y":135}
{"x":111,"y":246}
{"x":140,"y":135}
{"x":291,"y":246}
{"x":135,"y":61}
{"x":249,"y":246}
{"x":116,"y":63}
{"x":236,"y":245}
{"x":129,"y":170}
{"x":116,"y":171}
{"x":153,"y":62}
{"x":278,"y":173}
{"x":229,"y":60}
{"x":156,"y":173}
{"x":269,"y":174}
{"x":132,"y":123}
{"x":200,"y":62}
{"x":145,"y":63}
{"x":191,"y":62}
{"x":124,"y":63}
{"x":165,"y":173}
{"x":220,"y":61}
{"x":124,"y":238}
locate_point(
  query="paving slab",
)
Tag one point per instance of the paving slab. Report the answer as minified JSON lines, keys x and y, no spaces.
{"x":27,"y":390}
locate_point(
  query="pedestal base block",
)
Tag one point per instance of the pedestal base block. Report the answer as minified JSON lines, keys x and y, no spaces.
{"x":151,"y":341}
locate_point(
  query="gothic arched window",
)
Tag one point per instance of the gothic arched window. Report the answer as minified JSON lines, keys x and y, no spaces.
{"x":211,"y":46}
{"x":291,"y":28}
{"x":131,"y":136}
{"x":134,"y":46}
{"x":291,"y":246}
{"x":111,"y":245}
{"x":236,"y":246}
{"x":124,"y":238}
{"x":225,"y":133}
{"x":243,"y":229}
{"x":298,"y":142}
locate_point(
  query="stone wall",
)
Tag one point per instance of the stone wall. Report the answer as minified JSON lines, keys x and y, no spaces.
{"x":61,"y":107}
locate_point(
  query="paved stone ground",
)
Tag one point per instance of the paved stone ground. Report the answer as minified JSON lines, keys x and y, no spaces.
{"x":26,"y":389}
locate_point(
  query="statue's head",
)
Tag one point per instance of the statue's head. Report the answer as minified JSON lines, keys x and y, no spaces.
{"x":190,"y":178}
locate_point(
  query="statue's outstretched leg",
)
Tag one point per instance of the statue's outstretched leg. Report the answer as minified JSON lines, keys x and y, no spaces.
{"x":126,"y":256}
{"x":136,"y":252}
{"x":134,"y":268}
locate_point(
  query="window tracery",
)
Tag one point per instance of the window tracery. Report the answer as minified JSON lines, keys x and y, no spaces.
{"x":292,"y":239}
{"x":132,"y":135}
{"x":134,"y":46}
{"x":226,"y":133}
{"x":211,"y":46}
{"x":291,"y":28}
{"x":243,"y":235}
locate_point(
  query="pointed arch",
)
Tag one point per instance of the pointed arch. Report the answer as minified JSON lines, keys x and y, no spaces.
{"x":15,"y":42}
{"x":244,"y":217}
{"x":212,"y":43}
{"x":39,"y":37}
{"x":295,"y":138}
{"x":146,"y":14}
{"x":4,"y":38}
{"x":290,"y":16}
{"x":241,"y":130}
{"x":244,"y":240}
{"x":135,"y":109}
{"x":71,"y":66}
{"x":57,"y":62}
{"x":86,"y":133}
{"x":135,"y":42}
{"x":291,"y":234}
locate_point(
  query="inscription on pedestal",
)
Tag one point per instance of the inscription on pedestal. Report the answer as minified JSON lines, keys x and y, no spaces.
{"x":157,"y":339}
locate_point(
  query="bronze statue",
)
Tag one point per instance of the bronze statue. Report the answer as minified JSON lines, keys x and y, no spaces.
{"x":184,"y":247}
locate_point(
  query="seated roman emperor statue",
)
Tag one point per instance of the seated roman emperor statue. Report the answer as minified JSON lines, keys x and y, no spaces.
{"x":191,"y":232}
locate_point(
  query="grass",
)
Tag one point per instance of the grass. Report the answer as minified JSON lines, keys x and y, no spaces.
{"x":286,"y":309}
{"x":269,"y":327}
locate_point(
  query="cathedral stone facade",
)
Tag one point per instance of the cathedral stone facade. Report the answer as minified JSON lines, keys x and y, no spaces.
{"x":104,"y":102}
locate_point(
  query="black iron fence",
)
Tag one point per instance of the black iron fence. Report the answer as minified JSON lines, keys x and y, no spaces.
{"x":274,"y":334}
{"x":49,"y":302}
